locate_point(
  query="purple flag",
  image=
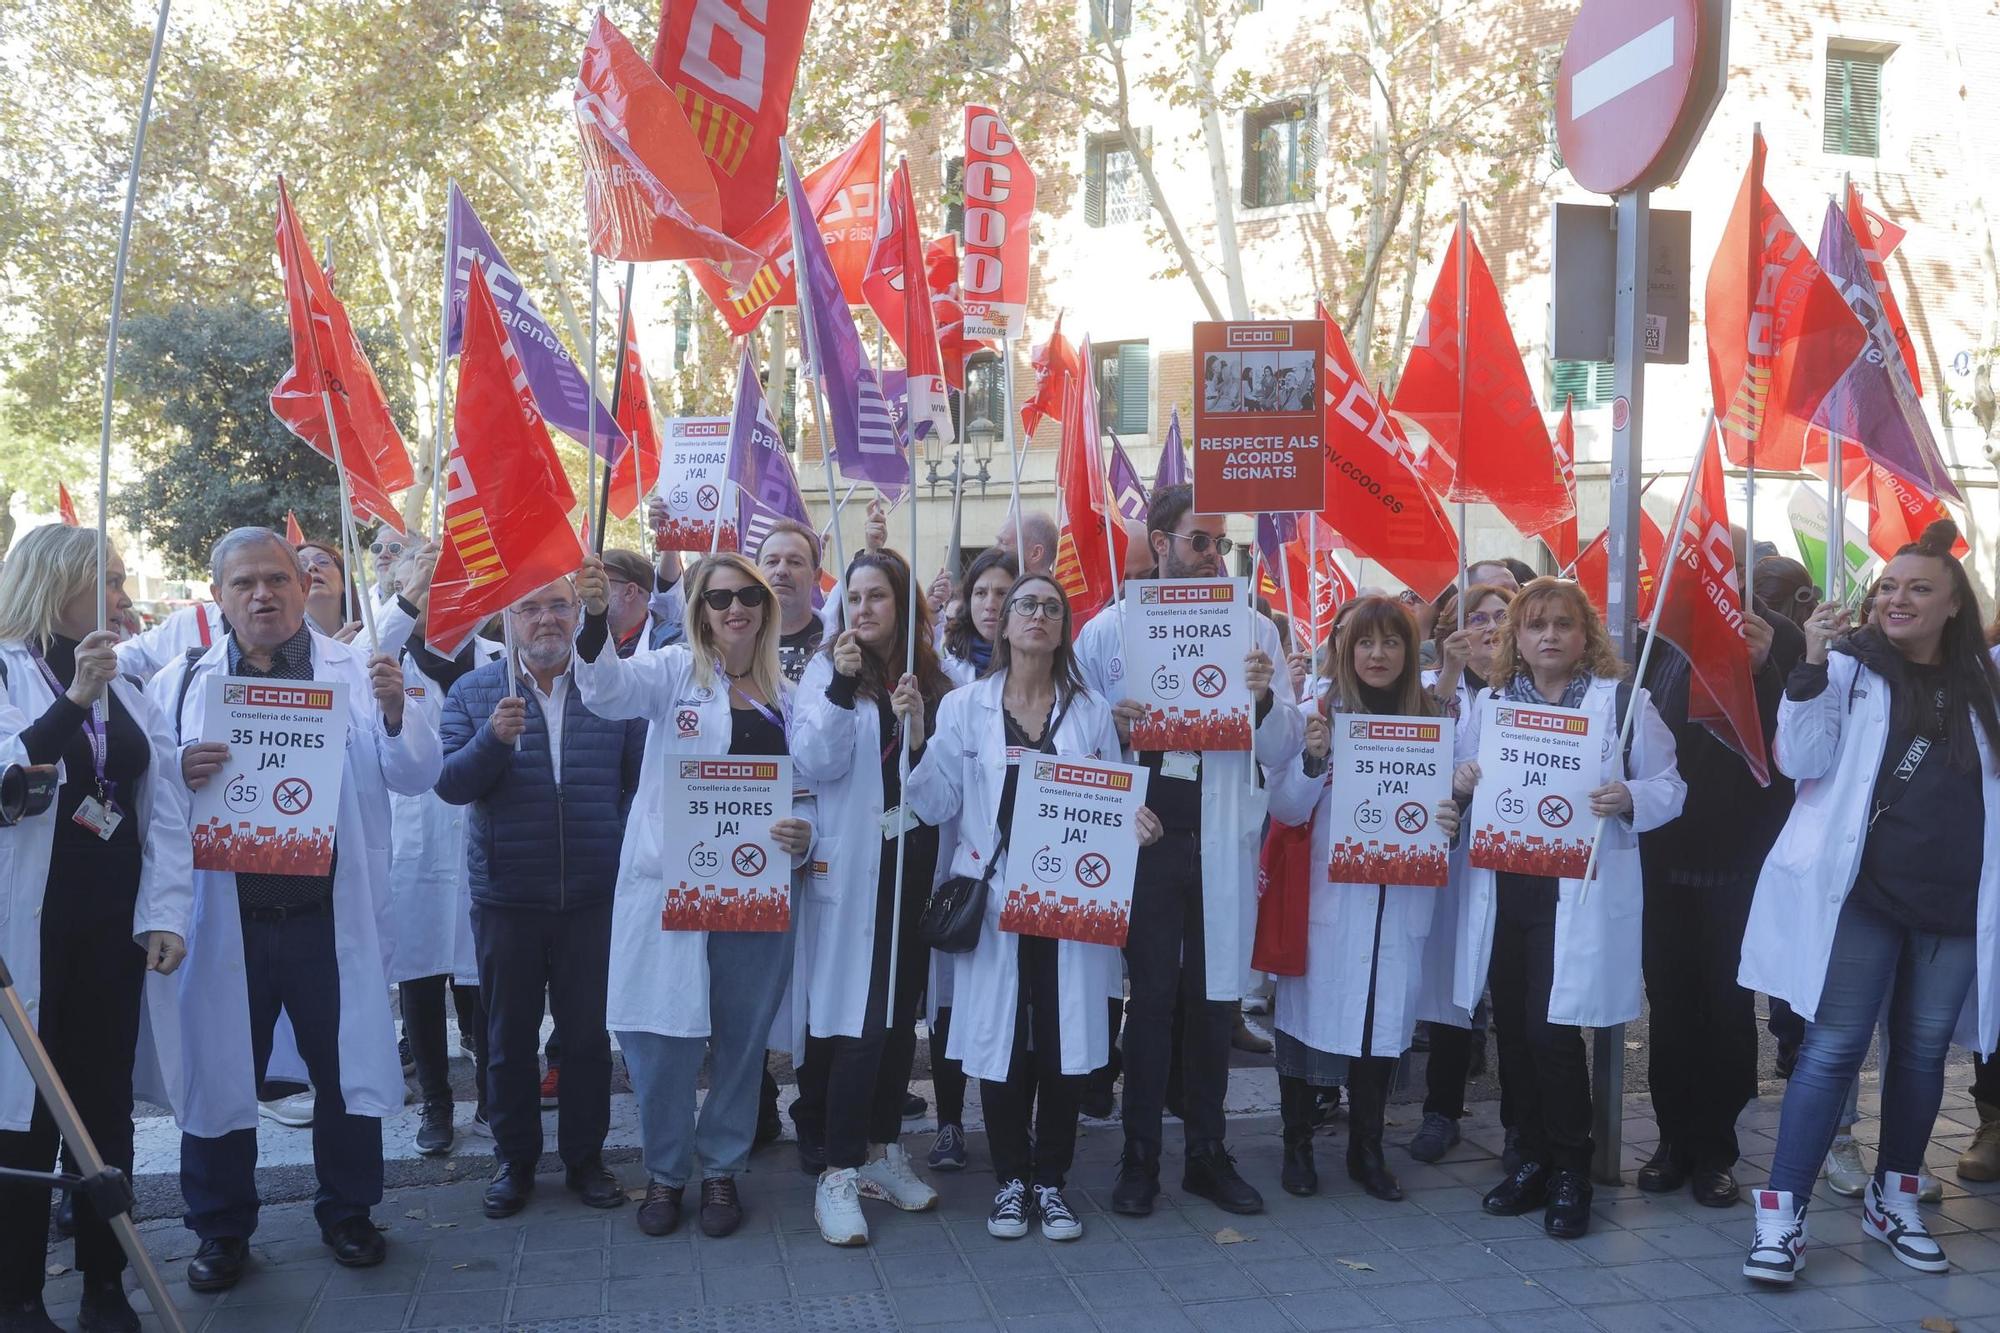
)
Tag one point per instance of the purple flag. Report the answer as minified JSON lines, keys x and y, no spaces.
{"x":1273,"y":531}
{"x":767,"y":489}
{"x":1874,"y":406}
{"x":1173,"y":468}
{"x":553,"y":377}
{"x":1126,"y":492}
{"x":863,"y":430}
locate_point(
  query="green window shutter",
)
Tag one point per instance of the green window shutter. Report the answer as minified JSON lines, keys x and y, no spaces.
{"x":1606,"y":382}
{"x":1568,"y":379}
{"x":1134,"y":388}
{"x":1093,"y":184}
{"x":1852,"y":113}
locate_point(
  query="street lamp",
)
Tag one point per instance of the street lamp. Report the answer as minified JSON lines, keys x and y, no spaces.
{"x":980,"y":434}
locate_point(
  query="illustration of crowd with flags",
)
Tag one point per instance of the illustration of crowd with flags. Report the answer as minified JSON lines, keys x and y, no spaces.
{"x":1787,"y":798}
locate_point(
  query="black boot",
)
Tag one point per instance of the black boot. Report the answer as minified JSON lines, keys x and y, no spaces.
{"x":1665,"y":1171}
{"x":1209,"y":1171}
{"x":1368,"y":1089}
{"x":1138,"y":1180}
{"x":1297,"y":1103}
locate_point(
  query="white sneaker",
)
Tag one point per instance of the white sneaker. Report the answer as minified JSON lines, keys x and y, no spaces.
{"x":1889,"y":1214}
{"x":837,"y":1208}
{"x":1009,"y":1218}
{"x":1779,"y":1250}
{"x":1846,"y":1173}
{"x":891,"y":1179}
{"x":294,"y":1112}
{"x":1058,"y":1222}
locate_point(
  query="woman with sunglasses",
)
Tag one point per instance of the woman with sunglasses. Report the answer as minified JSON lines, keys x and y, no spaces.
{"x":1031,"y":1018}
{"x":1465,"y":658}
{"x":857,"y":708}
{"x":1555,"y":651}
{"x":677,"y":996}
{"x":1351,"y":1015}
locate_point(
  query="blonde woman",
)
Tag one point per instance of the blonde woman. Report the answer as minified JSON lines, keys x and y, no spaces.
{"x":92,"y":895}
{"x":677,"y":997}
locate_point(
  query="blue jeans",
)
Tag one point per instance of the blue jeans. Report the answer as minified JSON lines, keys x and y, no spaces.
{"x":288,"y":964}
{"x":1925,"y":980}
{"x":747,"y":971}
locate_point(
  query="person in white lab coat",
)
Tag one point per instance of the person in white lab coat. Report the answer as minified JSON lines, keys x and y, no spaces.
{"x":1562,"y":959}
{"x":1194,"y":903}
{"x":309,"y":946}
{"x":94,"y":891}
{"x":679,"y":997}
{"x":1351,"y":1015}
{"x":1883,"y":891}
{"x":1025,"y":1004}
{"x":853,"y":711}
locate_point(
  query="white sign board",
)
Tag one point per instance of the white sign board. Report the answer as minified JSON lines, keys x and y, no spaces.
{"x":694,"y":476}
{"x":1389,"y":774}
{"x":723,"y":872}
{"x":273,"y":808}
{"x":1185,"y":641}
{"x":1531,"y":811}
{"x":1072,"y":849}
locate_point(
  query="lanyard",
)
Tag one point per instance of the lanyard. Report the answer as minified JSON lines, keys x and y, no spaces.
{"x":93,"y":729}
{"x":770,"y":714}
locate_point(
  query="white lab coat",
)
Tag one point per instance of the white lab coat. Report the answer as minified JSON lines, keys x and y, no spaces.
{"x":1359,"y":938}
{"x":165,"y":900}
{"x":958,"y":670}
{"x":1832,"y":746}
{"x":1435,"y":1003}
{"x":149,"y":652}
{"x":659,"y":978}
{"x":1233,"y":800}
{"x":430,"y":895}
{"x":1597,"y":975}
{"x":963,"y":770}
{"x":198,"y":1019}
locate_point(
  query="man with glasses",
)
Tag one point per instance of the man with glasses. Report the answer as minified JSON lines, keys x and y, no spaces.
{"x":549,"y":783}
{"x":1194,"y":897}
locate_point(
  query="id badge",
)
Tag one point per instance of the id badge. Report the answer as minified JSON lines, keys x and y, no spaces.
{"x":92,"y":814}
{"x":901,"y":819}
{"x":1183,"y":764}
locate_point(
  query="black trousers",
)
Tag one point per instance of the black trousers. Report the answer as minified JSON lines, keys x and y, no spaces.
{"x":1543,"y":1063}
{"x":1035,"y":1082}
{"x":854,"y":1086}
{"x":523,"y":954}
{"x":1446,"y":1069}
{"x":1986,"y":1079}
{"x":1165,"y":959}
{"x":1703,"y":1049}
{"x":423,"y":1023}
{"x":947,"y":1074}
{"x":88,"y":1018}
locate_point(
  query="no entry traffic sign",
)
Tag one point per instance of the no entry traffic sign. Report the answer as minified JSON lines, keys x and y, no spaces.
{"x":1637,"y":84}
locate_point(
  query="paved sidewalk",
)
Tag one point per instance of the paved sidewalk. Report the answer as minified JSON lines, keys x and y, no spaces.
{"x":1338,"y":1261}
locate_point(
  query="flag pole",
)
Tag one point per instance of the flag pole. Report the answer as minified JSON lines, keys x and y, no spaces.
{"x":617,"y":401}
{"x":1312,"y":584}
{"x":590,"y":412}
{"x":1013,"y":455}
{"x":1464,"y":302}
{"x":910,"y":595}
{"x":1110,"y":543}
{"x":1836,"y":507}
{"x":347,"y":537}
{"x":444,"y":362}
{"x":1285,"y":586}
{"x":1672,"y":559}
{"x":1749,"y":570}
{"x":811,"y":343}
{"x":513,"y":662}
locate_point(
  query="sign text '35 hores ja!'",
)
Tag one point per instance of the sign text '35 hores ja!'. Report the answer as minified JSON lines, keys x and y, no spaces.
{"x":273,"y":807}
{"x":1537,"y":767}
{"x":1257,"y":417}
{"x":1185,"y":641}
{"x":722,"y":870}
{"x":1389,"y":774}
{"x":694,"y":474}
{"x":1072,"y":849}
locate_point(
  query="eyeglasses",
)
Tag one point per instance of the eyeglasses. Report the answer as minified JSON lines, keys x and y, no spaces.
{"x":1201,"y":541}
{"x":388,"y":548}
{"x":1031,"y":608}
{"x":718,"y":599}
{"x":1408,"y":598}
{"x":552,"y":611}
{"x":1485,"y":619}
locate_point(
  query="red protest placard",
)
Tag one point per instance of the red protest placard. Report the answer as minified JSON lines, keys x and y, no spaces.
{"x":1257,"y":417}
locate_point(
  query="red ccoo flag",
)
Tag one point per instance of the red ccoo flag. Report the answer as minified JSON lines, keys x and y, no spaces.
{"x":1488,"y":425}
{"x":1593,"y":564}
{"x":506,"y":509}
{"x":1054,"y":362}
{"x":1561,"y":539}
{"x":1374,"y":497}
{"x":637,"y":469}
{"x":1779,"y":334}
{"x":294,"y":534}
{"x":66,"y":507}
{"x":327,"y":356}
{"x":1086,"y":554}
{"x":648,"y":192}
{"x":898,"y":289}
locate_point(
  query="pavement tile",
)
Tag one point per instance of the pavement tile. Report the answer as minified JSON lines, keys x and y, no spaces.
{"x":1415,"y":1233}
{"x":631,"y":1295}
{"x":275,"y":1284}
{"x":361,"y":1314}
{"x":1407,"y":1302}
{"x":737,"y":1250}
{"x":543,"y":1267}
{"x":1075,"y":1322}
{"x":1330,"y":1310}
{"x":556,"y":1301}
{"x":664,"y":1256}
{"x":1806,"y":1309}
{"x":920,"y":1270}
{"x":1256,"y":1315}
{"x":930,"y":1306}
{"x":1544,"y":1321}
{"x":742,"y":1286}
{"x":1112,"y":1292}
{"x":1586,"y":1286}
{"x":1177,"y":1251}
{"x":1283,"y":1277}
{"x":1503,"y":1295}
{"x":1208,"y":1282}
{"x":999,"y":1260}
{"x":1375,"y":1268}
{"x":1644,"y":1318}
{"x":1034,"y":1296}
{"x":259,"y":1318}
{"x":459,"y":1307}
{"x":832,"y":1277}
{"x":1330,"y":1238}
{"x":1099,"y":1251}
{"x":470,"y":1274}
{"x":1449,"y":1263}
{"x":1664,"y":1279}
{"x":1727,"y":1314}
{"x":1534,"y":1254}
{"x":1890,"y":1302}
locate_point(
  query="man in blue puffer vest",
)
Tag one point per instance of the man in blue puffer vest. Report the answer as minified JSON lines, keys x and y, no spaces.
{"x":549,"y":783}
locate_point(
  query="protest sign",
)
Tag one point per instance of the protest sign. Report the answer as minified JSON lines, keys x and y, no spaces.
{"x":1389,"y":773}
{"x":1537,"y":768}
{"x":723,"y":872}
{"x":1257,"y":417}
{"x":694,"y":472}
{"x":1185,"y":641}
{"x":273,"y":807}
{"x":1072,"y":849}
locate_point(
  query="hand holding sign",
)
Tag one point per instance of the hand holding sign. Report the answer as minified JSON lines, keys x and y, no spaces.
{"x":794,"y":836}
{"x":1613,"y":798}
{"x":202,"y":761}
{"x":385,"y":681}
{"x":1257,"y":673}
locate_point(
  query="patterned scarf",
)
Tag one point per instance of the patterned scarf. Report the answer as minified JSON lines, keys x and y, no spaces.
{"x":1521,"y":690}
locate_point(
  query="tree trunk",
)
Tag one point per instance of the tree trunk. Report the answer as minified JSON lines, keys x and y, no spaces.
{"x":1413,"y":268}
{"x":1230,"y":255}
{"x":1143,"y":157}
{"x":1361,"y":325}
{"x":420,"y":365}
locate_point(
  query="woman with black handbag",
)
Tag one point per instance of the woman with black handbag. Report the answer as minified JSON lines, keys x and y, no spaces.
{"x":1029,"y":1010}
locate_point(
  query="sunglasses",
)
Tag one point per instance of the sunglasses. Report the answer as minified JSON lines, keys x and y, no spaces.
{"x":718,"y":599}
{"x":1201,"y":541}
{"x":1031,"y":608}
{"x":1485,"y":619}
{"x":388,"y":548}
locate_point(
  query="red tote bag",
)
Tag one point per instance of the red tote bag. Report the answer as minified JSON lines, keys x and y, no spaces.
{"x":1284,"y":894}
